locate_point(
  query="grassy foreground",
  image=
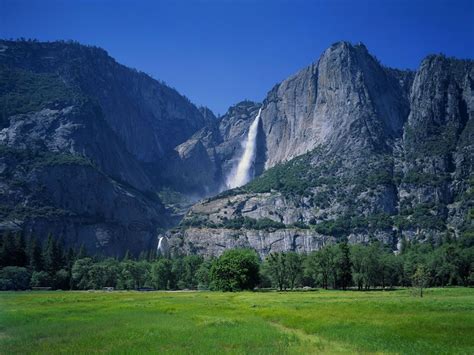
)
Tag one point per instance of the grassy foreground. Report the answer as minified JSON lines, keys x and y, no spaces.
{"x":212,"y":322}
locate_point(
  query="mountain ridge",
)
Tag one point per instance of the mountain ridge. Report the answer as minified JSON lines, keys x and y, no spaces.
{"x":337,"y":132}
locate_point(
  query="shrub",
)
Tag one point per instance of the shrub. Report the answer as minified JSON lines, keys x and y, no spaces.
{"x":23,"y":91}
{"x":290,"y":178}
{"x":251,"y":223}
{"x":14,"y":278}
{"x":41,"y":279}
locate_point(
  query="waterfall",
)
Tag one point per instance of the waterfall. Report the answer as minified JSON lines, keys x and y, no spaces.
{"x":163,"y":246}
{"x":241,"y":175}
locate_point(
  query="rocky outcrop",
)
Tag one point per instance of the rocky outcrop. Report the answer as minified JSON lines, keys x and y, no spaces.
{"x":213,"y":242}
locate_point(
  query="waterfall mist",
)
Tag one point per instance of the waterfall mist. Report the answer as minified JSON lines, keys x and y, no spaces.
{"x":242,"y":173}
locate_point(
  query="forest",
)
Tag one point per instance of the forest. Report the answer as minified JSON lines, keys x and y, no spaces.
{"x":26,"y":263}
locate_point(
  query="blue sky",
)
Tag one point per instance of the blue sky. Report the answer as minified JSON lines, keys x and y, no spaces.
{"x":220,"y":52}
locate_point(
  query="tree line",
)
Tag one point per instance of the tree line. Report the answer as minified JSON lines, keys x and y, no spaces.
{"x":27,"y":263}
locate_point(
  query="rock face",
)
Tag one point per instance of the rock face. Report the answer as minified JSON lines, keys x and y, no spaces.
{"x":149,"y":117}
{"x":346,"y":101}
{"x":84,"y":144}
{"x":78,"y":129}
{"x":354,"y":151}
{"x":213,"y":242}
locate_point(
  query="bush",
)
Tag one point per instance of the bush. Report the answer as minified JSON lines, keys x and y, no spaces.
{"x":291,"y":177}
{"x":194,"y":221}
{"x":41,"y":279}
{"x":424,"y":216}
{"x":336,"y":227}
{"x":251,"y":223}
{"x":14,"y":278}
{"x":61,"y":280}
{"x":300,"y":225}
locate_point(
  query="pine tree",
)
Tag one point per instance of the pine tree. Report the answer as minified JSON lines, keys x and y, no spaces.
{"x":12,"y":251}
{"x":126,"y":256}
{"x":143,"y":255}
{"x":20,"y":248}
{"x":70,"y":259}
{"x":33,"y":251}
{"x":344,"y":265}
{"x":151,"y":255}
{"x":82,"y":253}
{"x":5,"y":250}
{"x":52,"y":256}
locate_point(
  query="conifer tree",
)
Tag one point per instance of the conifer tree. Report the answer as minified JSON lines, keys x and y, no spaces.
{"x":52,"y":256}
{"x":20,"y":250}
{"x":82,"y":252}
{"x":12,"y":251}
{"x":126,"y":256}
{"x":33,"y":251}
{"x":344,"y":265}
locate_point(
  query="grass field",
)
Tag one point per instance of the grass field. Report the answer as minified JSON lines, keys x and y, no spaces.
{"x":213,"y":322}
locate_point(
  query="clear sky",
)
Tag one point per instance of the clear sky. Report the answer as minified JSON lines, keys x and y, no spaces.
{"x":220,"y":52}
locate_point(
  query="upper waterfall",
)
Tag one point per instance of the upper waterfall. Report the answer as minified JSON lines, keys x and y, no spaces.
{"x":242,"y":174}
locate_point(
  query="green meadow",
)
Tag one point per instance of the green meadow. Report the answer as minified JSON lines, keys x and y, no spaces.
{"x":243,"y":322}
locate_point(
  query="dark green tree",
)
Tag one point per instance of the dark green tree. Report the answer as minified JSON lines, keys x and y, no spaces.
{"x":80,"y":273}
{"x":203,"y":274}
{"x":161,"y":274}
{"x":323,"y":265}
{"x":276,"y":268}
{"x":235,"y":270}
{"x":13,"y":251}
{"x":344,"y":265}
{"x":52,"y":256}
{"x":14,"y":278}
{"x":41,"y":279}
{"x":82,"y":253}
{"x":34,"y":254}
{"x":20,"y":250}
{"x":294,"y":268}
{"x":466,"y":265}
{"x":190,"y":266}
{"x":358,"y":256}
{"x":132,"y":275}
{"x":127,"y":256}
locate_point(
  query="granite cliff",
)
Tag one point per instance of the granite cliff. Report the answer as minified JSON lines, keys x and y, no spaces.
{"x":352,"y":150}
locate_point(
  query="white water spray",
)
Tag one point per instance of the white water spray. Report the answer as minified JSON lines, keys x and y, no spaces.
{"x":163,"y":246}
{"x":241,"y":175}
